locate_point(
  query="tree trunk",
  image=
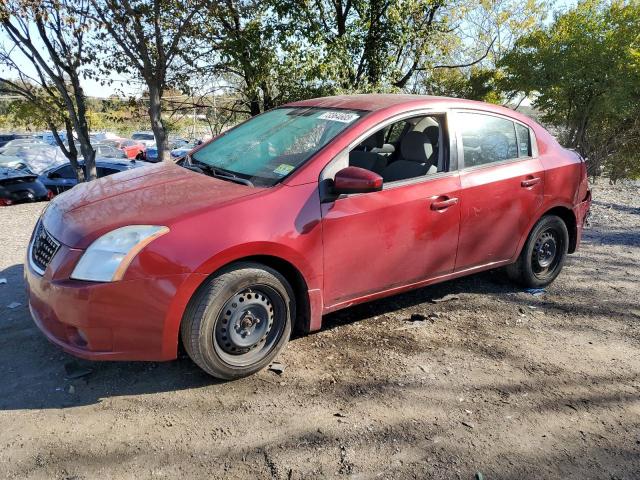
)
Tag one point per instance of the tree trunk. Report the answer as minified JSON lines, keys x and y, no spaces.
{"x":374,"y":54}
{"x":82,"y":130}
{"x":267,"y":101}
{"x":254,"y":106}
{"x":155,"y":115}
{"x":71,"y":153}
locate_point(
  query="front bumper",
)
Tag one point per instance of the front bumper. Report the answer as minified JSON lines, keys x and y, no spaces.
{"x":125,"y":320}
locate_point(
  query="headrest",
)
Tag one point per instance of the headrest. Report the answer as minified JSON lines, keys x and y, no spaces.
{"x":374,"y":141}
{"x":433,"y":132}
{"x":416,"y":147}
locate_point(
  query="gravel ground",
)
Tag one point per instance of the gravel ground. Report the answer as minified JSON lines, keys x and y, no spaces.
{"x":494,"y":380}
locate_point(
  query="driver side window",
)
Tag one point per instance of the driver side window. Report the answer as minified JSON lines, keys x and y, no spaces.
{"x":406,"y":149}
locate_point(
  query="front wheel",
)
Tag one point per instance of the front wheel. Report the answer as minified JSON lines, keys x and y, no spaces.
{"x":543,"y":255}
{"x":239,"y":320}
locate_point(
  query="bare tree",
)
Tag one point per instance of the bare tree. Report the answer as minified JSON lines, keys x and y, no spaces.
{"x":45,"y":56}
{"x":155,"y":37}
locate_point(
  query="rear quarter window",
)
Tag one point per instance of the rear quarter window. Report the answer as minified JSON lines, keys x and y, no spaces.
{"x":524,"y":141}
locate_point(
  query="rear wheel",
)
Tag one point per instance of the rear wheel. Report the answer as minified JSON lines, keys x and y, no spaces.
{"x":239,"y":320}
{"x":543,"y":255}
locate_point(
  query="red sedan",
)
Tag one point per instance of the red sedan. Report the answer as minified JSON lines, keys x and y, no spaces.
{"x":300,"y":211}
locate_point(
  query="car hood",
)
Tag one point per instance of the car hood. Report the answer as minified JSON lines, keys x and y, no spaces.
{"x":154,"y":195}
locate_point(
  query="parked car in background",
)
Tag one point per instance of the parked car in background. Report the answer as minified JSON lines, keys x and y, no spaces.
{"x":304,"y":210}
{"x":183,"y":150}
{"x":147,"y":138}
{"x":48,"y":137}
{"x":18,"y":186}
{"x":8,"y":137}
{"x":22,"y":142}
{"x":132,"y":148}
{"x":61,"y":178}
{"x":151,"y":154}
{"x":98,"y":137}
{"x":105,"y":150}
{"x":32,"y":157}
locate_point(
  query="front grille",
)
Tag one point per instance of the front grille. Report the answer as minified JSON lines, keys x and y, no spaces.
{"x":44,"y":247}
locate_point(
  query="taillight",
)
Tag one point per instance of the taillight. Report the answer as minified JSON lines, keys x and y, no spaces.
{"x":5,"y":202}
{"x":50,"y":194}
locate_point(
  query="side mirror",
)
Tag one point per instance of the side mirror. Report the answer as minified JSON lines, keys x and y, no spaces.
{"x":356,"y":180}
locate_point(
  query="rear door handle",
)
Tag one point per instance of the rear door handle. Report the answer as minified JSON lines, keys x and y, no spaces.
{"x":443,"y":204}
{"x":530,"y":182}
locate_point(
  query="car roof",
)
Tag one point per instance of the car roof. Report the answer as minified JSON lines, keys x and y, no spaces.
{"x":373,"y":102}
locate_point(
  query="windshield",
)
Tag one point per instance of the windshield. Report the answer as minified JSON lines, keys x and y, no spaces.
{"x":269,"y":147}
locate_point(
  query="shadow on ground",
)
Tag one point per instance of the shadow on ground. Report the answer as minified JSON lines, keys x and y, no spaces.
{"x":32,"y":371}
{"x":35,"y":369}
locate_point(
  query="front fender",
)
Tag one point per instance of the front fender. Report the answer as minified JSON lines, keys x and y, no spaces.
{"x":191,"y":284}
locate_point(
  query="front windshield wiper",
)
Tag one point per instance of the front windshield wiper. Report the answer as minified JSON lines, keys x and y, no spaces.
{"x":230,"y":177}
{"x":217,"y":172}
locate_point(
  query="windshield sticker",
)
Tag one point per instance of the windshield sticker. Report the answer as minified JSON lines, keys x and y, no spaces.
{"x":283,"y":169}
{"x":342,"y":117}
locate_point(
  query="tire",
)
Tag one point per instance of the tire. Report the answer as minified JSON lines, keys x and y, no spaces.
{"x":543,"y":255}
{"x":238,"y":321}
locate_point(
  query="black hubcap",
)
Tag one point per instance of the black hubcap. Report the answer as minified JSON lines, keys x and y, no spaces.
{"x":249,"y":325}
{"x":546,"y":253}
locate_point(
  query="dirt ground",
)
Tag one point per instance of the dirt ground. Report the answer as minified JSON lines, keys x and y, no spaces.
{"x":495,"y":383}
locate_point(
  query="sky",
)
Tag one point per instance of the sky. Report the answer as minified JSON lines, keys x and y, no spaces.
{"x":121,"y":84}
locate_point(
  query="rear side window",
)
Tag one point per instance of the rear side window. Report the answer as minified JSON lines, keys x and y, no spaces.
{"x":524,"y":141}
{"x":486,"y":139}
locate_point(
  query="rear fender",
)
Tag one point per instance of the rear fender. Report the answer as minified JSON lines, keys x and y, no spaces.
{"x":573,"y":234}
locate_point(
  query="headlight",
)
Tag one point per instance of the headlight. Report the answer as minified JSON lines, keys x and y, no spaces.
{"x":108,"y":257}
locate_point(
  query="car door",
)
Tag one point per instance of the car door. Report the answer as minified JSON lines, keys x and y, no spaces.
{"x":502,"y":183}
{"x":61,"y":179}
{"x":403,"y":234}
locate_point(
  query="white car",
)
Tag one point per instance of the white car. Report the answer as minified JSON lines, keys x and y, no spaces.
{"x":144,"y":137}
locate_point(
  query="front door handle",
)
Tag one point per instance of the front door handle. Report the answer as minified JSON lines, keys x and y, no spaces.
{"x":443,"y":204}
{"x":530,"y":182}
